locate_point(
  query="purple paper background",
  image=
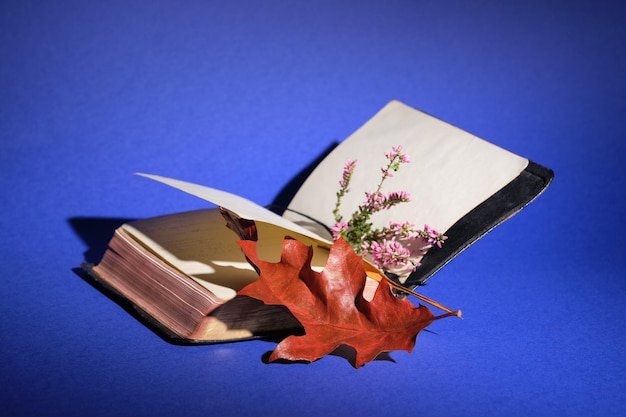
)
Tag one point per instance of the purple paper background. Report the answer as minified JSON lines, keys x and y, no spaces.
{"x":244,"y":95}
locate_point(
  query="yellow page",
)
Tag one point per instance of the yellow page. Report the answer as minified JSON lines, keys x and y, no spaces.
{"x":199,"y":244}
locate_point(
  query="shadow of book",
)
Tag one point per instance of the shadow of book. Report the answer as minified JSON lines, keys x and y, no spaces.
{"x":96,"y":233}
{"x":286,"y":194}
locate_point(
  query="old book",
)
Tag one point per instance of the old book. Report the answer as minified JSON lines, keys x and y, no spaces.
{"x":182,"y":271}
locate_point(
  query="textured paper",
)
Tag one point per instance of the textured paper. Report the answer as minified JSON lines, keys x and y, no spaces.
{"x":450,"y":173}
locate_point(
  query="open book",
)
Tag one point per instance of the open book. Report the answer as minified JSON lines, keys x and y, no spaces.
{"x":182,"y":271}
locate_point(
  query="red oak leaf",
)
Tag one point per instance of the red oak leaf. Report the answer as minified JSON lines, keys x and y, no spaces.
{"x":330,"y":304}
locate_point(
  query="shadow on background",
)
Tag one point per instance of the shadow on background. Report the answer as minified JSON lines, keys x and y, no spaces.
{"x":288,"y":192}
{"x":95,"y":232}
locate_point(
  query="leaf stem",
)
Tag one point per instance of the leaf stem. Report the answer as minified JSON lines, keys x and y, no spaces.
{"x":375,"y":274}
{"x":454,"y":313}
{"x":449,"y":311}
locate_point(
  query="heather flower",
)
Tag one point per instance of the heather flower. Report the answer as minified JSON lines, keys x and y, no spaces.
{"x":396,"y":197}
{"x":348,"y":170}
{"x":396,"y":247}
{"x":338,"y":229}
{"x":432,"y":236}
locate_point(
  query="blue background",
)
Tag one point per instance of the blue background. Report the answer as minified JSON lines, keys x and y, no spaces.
{"x":242,"y":96}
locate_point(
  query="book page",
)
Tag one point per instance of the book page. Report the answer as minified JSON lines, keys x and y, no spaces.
{"x":450,"y":173}
{"x":199,"y":244}
{"x":243,"y":207}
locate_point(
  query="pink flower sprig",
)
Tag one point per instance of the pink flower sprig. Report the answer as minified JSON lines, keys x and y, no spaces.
{"x":395,"y":157}
{"x":348,"y":170}
{"x":375,"y":202}
{"x":396,"y":247}
{"x":387,"y":255}
{"x":432,"y":237}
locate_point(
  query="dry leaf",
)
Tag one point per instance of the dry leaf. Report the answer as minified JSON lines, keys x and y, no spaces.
{"x":330,"y":305}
